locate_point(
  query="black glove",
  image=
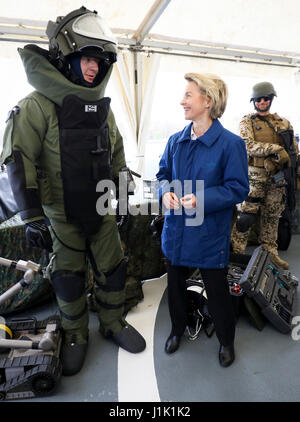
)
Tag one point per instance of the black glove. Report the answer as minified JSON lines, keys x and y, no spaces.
{"x":122,"y":219}
{"x":156,"y":227}
{"x":38,"y":235}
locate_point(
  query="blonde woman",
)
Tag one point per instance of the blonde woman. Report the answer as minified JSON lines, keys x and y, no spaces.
{"x":203,"y":151}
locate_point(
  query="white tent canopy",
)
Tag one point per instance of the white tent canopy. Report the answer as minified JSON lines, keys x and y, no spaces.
{"x":268,"y":28}
{"x":243,"y":41}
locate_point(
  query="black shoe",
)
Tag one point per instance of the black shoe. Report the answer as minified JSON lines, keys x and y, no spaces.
{"x":226,"y":355}
{"x":72,"y":355}
{"x":172,"y":344}
{"x":129,"y":339}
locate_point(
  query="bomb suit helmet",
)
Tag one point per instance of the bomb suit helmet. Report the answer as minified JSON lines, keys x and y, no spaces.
{"x":78,"y":30}
{"x":81,"y":33}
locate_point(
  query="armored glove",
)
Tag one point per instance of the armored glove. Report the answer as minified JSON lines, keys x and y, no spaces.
{"x":38,"y":235}
{"x":126,"y":180}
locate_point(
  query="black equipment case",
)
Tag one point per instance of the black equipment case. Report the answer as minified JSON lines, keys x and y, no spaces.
{"x":257,"y":285}
{"x":272,"y":288}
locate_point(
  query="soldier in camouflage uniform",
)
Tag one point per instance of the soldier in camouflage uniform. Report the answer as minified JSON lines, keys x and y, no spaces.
{"x":266,"y":157}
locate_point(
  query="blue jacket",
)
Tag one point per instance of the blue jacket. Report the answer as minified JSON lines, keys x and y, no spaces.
{"x":218,"y":158}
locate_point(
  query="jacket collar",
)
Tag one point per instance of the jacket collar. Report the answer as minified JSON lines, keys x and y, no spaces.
{"x":209,"y":137}
{"x":47,"y":80}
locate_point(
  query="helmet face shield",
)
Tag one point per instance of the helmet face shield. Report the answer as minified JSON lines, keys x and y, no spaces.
{"x":93,"y":26}
{"x":81,"y":29}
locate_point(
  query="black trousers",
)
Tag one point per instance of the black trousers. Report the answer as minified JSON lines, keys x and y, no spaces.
{"x":219,"y":301}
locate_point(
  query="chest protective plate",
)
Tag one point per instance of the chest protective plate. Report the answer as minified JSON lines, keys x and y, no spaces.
{"x":85,"y":156}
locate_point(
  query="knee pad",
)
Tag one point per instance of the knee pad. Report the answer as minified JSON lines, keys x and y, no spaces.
{"x":245,"y":221}
{"x":68,"y":286}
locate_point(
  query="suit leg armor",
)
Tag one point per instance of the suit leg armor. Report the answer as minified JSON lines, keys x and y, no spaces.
{"x":110,"y":296}
{"x":109,"y":266}
{"x":70,"y":294}
{"x":69,"y":288}
{"x":68,"y":279}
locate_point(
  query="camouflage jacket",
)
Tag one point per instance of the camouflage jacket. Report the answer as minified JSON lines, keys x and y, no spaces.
{"x":261,"y":140}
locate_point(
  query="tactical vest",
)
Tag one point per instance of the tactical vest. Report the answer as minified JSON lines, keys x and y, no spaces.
{"x":263,"y":132}
{"x":85,"y":157}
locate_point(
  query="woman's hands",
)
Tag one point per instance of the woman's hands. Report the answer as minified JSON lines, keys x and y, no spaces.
{"x":189,"y":201}
{"x":171,"y":201}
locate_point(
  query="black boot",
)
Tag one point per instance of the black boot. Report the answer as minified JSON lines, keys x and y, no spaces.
{"x":70,"y":294}
{"x":226,"y":355}
{"x":129,"y":339}
{"x":172,"y":344}
{"x":110,"y":297}
{"x":72,"y":354}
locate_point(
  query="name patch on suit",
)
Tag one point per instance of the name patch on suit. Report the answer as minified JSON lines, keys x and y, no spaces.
{"x":90,"y":108}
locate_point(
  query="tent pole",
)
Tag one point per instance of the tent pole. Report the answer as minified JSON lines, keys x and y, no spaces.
{"x":150,"y":19}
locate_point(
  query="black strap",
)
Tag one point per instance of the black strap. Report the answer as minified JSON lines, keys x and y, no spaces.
{"x":253,"y":200}
{"x":74,"y":317}
{"x":108,"y":305}
{"x":267,"y":121}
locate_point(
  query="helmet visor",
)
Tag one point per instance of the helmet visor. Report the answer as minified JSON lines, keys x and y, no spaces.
{"x":93,"y":26}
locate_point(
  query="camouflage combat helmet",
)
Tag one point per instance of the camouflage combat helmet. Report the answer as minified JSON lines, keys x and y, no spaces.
{"x":262,"y":89}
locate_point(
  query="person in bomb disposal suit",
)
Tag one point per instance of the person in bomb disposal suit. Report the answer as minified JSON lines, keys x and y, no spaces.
{"x":265,"y":135}
{"x":60,"y":141}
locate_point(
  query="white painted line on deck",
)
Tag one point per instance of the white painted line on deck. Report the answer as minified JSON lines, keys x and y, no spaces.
{"x":136,"y":372}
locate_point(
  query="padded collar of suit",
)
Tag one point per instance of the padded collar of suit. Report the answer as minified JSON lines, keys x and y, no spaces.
{"x":209,"y":137}
{"x":47,"y":80}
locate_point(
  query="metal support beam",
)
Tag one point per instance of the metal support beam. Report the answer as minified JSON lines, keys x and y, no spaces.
{"x":21,"y":30}
{"x":150,"y":19}
{"x":29,"y":30}
{"x":208,"y":57}
{"x":23,"y":22}
{"x":225,"y":52}
{"x":137,"y":90}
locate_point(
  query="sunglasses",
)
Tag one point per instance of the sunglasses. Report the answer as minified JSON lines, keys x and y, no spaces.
{"x":265,"y":98}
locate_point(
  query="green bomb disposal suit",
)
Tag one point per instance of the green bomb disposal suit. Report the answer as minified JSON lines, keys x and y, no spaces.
{"x":59,"y":142}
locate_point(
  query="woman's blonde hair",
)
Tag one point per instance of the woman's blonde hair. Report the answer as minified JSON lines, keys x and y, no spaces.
{"x":212,"y":87}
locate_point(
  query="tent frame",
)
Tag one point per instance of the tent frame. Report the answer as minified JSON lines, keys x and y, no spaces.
{"x":141,"y":40}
